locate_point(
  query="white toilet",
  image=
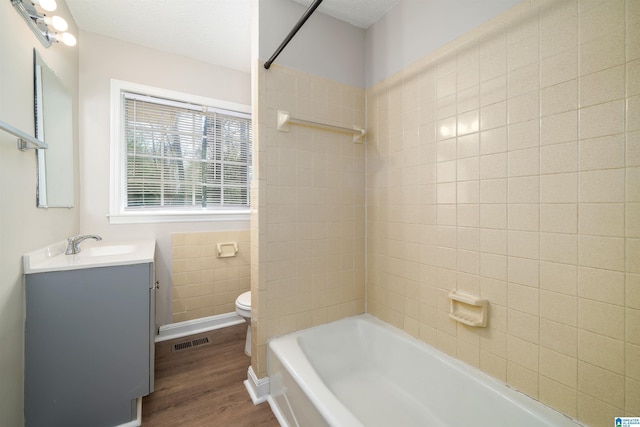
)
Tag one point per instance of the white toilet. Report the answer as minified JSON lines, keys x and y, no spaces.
{"x":243,"y":308}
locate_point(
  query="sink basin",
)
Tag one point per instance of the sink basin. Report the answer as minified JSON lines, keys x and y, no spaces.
{"x":92,"y":254}
{"x":110,"y":250}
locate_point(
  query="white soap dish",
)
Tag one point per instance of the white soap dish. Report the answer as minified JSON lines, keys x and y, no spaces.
{"x":468,"y":309}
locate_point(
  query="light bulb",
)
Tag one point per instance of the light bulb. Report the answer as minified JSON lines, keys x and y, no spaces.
{"x":48,"y":5}
{"x":68,"y":39}
{"x":56,"y":22}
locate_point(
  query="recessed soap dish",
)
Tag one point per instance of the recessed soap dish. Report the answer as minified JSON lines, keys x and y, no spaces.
{"x":468,"y":309}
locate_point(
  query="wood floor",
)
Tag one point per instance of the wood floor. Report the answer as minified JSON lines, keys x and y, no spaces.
{"x":202,"y":385}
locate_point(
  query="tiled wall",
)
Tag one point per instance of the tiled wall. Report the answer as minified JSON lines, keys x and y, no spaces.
{"x":507,"y":165}
{"x":202,"y":284}
{"x":308,"y":208}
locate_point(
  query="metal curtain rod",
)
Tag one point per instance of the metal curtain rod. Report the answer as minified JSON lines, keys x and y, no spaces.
{"x":25,"y":141}
{"x":293,"y":32}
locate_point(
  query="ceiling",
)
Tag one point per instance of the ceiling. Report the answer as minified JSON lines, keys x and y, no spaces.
{"x":213,"y":31}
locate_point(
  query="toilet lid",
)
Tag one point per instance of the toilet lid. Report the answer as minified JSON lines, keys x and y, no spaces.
{"x":244,"y":300}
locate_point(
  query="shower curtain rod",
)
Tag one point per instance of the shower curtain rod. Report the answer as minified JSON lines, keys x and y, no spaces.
{"x":293,"y":32}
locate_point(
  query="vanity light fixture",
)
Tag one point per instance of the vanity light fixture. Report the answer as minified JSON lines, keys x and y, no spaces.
{"x":39,"y":22}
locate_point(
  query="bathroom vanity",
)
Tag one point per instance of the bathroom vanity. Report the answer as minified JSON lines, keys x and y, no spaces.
{"x":89,"y":334}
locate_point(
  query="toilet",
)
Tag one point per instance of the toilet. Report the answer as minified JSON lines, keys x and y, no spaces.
{"x":243,"y":308}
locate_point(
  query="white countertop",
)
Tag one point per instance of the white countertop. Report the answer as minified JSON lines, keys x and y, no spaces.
{"x":93,"y":254}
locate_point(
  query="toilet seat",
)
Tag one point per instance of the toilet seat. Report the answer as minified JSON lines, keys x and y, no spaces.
{"x":244,"y":301}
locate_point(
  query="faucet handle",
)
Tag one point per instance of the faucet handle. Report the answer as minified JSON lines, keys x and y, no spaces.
{"x":70,"y":246}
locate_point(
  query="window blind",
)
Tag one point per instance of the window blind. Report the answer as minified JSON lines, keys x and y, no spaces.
{"x":181,"y":155}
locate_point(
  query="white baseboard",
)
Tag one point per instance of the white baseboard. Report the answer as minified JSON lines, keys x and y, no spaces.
{"x":196,"y":326}
{"x":258,"y":388}
{"x":138,"y":421}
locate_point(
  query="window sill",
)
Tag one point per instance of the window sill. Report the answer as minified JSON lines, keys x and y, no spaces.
{"x":174,"y":216}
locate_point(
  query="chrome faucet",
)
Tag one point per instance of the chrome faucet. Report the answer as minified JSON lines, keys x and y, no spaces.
{"x":73,"y":243}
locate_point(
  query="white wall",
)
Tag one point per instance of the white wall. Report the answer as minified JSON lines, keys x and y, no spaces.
{"x":324,"y":46}
{"x":102,"y":59}
{"x":414,"y":28}
{"x":23,"y":227}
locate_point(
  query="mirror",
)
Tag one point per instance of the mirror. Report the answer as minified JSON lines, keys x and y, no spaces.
{"x":53,"y":108}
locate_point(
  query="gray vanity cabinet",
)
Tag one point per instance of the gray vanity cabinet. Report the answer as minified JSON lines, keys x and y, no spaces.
{"x":89,"y":337}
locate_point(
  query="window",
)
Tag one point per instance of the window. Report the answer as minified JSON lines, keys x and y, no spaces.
{"x":179,"y":157}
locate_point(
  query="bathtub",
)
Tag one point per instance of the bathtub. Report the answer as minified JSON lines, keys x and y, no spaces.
{"x":360,"y":371}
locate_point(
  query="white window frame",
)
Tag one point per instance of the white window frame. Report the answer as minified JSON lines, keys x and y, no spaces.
{"x":117,"y":212}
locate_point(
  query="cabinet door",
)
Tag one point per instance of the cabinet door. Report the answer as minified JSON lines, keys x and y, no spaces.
{"x":86,"y":345}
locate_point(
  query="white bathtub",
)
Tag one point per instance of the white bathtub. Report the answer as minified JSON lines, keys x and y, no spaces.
{"x":361,"y":371}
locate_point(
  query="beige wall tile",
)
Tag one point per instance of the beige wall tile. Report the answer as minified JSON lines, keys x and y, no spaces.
{"x":523,"y":244}
{"x":606,"y":152}
{"x":523,"y":217}
{"x":601,"y":318}
{"x":559,"y":128}
{"x":493,"y":365}
{"x":632,"y":184}
{"x":559,"y":98}
{"x":492,"y":215}
{"x":632,"y":252}
{"x":633,"y":149}
{"x":558,"y":396}
{"x":523,"y":271}
{"x":559,"y":368}
{"x":601,"y":252}
{"x":601,"y":351}
{"x":522,"y":379}
{"x":633,"y":110}
{"x":522,"y":353}
{"x":559,"y":188}
{"x":523,"y":162}
{"x":561,"y":248}
{"x":523,"y":326}
{"x":595,"y":412}
{"x":601,"y":285}
{"x":632,"y":368}
{"x":602,"y":219}
{"x":558,"y":218}
{"x":633,"y":78}
{"x":558,"y":68}
{"x":632,"y":399}
{"x":558,"y":158}
{"x":559,"y":337}
{"x":602,"y":86}
{"x":632,"y":322}
{"x":524,"y":107}
{"x":600,"y":19}
{"x":493,"y":190}
{"x":632,"y":220}
{"x":524,"y":190}
{"x":493,"y":91}
{"x":602,"y":119}
{"x":524,"y":135}
{"x":493,"y":141}
{"x":632,"y":290}
{"x":559,"y":307}
{"x":602,"y":52}
{"x":558,"y":27}
{"x":558,"y":277}
{"x":597,"y":382}
{"x":602,"y":186}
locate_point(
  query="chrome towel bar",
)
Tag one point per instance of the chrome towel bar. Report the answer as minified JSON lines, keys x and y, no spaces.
{"x":25,"y":141}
